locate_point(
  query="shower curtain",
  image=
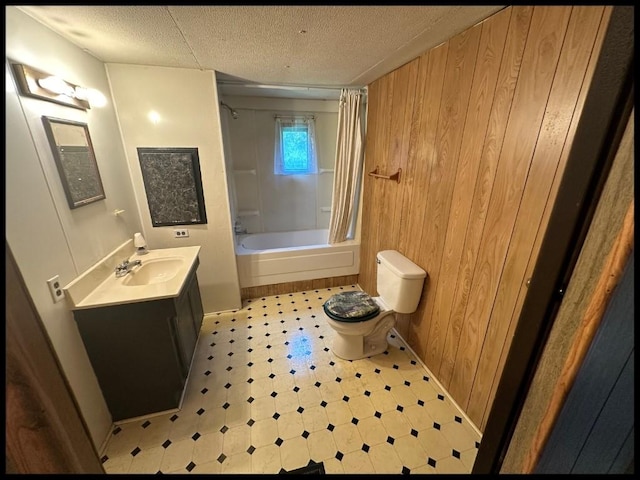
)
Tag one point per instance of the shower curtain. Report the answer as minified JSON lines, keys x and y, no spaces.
{"x":348,"y":168}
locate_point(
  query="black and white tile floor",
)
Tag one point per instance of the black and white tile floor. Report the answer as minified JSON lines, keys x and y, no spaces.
{"x":265,"y":393}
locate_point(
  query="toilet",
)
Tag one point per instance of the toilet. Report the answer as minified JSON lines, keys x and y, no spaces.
{"x":362,"y":322}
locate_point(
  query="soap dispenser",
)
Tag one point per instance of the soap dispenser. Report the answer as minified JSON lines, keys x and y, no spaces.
{"x":140,"y":243}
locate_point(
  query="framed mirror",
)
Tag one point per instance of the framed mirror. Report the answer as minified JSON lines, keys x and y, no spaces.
{"x":75,"y":159}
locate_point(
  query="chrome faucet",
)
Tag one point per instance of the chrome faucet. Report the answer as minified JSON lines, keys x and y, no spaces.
{"x":126,"y":266}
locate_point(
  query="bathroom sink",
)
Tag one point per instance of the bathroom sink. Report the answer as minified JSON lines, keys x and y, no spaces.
{"x":161,"y":274}
{"x":152,"y":271}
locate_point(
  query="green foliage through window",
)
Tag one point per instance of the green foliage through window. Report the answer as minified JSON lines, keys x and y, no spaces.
{"x":295,"y":148}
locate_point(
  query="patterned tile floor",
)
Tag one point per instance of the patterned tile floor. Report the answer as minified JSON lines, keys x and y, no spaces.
{"x":265,"y":393}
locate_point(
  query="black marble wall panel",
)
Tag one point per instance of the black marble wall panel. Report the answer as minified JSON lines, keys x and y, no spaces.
{"x":173,"y":185}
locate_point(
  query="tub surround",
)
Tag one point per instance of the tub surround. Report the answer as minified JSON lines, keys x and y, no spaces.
{"x":304,"y":255}
{"x":99,"y":287}
{"x":263,"y":199}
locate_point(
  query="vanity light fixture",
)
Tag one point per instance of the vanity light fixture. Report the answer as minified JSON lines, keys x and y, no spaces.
{"x":37,"y":84}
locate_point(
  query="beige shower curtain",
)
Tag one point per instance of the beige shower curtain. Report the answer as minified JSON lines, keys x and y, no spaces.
{"x":348,"y":166}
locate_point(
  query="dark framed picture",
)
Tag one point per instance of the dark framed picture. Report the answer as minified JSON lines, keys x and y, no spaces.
{"x":75,"y":160}
{"x":173,"y":185}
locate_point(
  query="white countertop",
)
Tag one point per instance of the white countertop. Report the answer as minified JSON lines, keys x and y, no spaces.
{"x":115,"y":291}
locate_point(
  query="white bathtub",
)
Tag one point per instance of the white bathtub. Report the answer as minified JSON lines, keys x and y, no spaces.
{"x":280,"y":257}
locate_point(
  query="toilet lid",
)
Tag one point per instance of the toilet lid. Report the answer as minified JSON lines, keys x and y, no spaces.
{"x":351,"y":307}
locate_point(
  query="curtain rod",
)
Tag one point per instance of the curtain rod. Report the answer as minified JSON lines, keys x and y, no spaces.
{"x":302,"y":115}
{"x":291,"y":87}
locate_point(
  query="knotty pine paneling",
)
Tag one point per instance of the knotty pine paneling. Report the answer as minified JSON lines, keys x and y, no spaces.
{"x":478,"y":125}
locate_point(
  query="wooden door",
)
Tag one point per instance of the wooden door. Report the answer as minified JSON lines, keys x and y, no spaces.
{"x":44,"y":430}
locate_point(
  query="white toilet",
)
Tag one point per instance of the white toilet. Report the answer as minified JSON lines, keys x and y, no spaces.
{"x":362,"y":322}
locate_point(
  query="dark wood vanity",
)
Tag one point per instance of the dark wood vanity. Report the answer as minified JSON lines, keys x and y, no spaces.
{"x":141,"y":352}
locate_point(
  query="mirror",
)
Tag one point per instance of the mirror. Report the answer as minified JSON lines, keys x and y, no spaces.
{"x":75,"y":159}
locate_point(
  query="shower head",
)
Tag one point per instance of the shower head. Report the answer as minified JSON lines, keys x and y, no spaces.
{"x":233,"y":113}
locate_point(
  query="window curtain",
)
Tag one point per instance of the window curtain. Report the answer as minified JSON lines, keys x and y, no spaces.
{"x":348,"y":165}
{"x":302,"y":123}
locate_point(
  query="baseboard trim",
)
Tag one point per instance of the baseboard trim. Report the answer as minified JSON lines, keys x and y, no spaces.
{"x":435,"y":380}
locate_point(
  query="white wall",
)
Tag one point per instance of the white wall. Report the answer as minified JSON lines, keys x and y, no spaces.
{"x":45,"y":236}
{"x":284,"y":202}
{"x":187,"y":103}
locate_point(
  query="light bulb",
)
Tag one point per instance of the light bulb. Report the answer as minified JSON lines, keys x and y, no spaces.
{"x":57,"y":85}
{"x":96,"y":98}
{"x":81,"y":93}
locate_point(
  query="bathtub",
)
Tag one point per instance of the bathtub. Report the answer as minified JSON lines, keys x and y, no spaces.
{"x":281,"y":257}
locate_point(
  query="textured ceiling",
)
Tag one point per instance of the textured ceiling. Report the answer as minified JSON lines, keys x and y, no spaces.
{"x":273,"y":45}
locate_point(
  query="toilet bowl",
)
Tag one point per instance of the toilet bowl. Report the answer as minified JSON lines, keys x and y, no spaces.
{"x":359,"y":339}
{"x":361,"y":322}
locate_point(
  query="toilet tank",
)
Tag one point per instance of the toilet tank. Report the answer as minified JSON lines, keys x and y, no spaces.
{"x":399,"y":281}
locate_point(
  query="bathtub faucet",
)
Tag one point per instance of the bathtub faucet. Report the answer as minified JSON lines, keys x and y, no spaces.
{"x":238,"y":228}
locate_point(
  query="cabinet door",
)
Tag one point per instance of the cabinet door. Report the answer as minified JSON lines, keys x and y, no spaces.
{"x":133,"y":353}
{"x":185,"y":329}
{"x":196,"y":304}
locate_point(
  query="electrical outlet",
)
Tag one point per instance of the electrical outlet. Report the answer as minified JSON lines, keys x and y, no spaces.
{"x":180,"y":232}
{"x":55,"y":289}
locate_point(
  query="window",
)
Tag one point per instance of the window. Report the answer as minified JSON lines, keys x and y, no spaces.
{"x":295,"y":150}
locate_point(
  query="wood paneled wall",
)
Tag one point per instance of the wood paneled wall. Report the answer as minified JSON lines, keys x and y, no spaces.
{"x":481,"y":127}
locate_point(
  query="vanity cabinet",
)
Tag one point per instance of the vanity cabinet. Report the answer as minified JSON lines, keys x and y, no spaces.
{"x":141,"y":352}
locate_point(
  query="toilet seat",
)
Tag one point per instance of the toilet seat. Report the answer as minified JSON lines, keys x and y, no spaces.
{"x":349,"y":307}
